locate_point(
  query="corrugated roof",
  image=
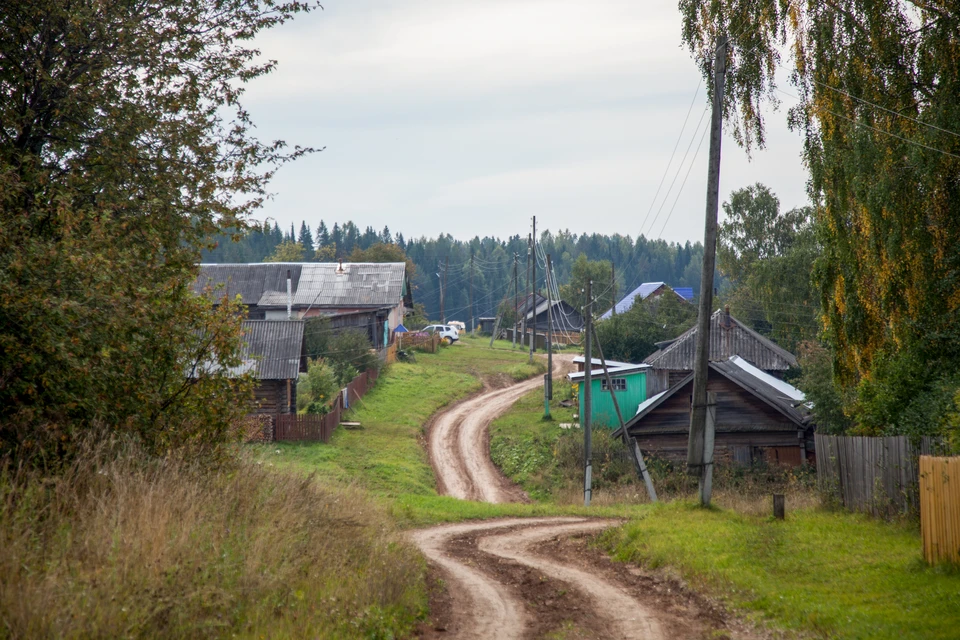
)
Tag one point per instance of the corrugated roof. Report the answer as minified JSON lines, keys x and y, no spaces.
{"x":316,"y":284}
{"x":248,"y":280}
{"x":360,"y":284}
{"x":576,"y":376}
{"x":728,"y":337}
{"x":272,"y":348}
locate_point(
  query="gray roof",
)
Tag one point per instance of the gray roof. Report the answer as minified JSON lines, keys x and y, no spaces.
{"x":248,"y":280}
{"x":272,"y":348}
{"x":315,"y":284}
{"x":728,"y":337}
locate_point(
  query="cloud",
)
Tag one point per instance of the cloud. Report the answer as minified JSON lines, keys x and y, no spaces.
{"x":467,"y":118}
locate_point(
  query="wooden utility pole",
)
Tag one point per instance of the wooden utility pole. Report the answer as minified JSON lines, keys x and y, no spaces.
{"x":526,"y":301}
{"x":585,"y":413}
{"x":548,"y":379}
{"x":533,"y":301}
{"x":630,"y":443}
{"x":699,"y":460}
{"x":473,"y":326}
{"x":613,"y":287}
{"x":516,"y":300}
{"x":443,"y":289}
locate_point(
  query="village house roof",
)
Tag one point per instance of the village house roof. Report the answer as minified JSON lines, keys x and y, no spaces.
{"x":728,"y":337}
{"x":273,"y":348}
{"x":314,"y":284}
{"x":643,"y":292}
{"x":623,"y":369}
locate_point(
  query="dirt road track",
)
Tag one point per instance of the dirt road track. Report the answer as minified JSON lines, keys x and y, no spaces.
{"x":536,"y":577}
{"x":459,"y":443}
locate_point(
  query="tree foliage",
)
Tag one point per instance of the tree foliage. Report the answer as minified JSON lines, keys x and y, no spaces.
{"x":123,"y":146}
{"x":766,"y":258}
{"x":633,"y":335}
{"x":878,"y":84}
{"x":600,"y":273}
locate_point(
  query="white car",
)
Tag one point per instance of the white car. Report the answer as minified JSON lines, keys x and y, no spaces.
{"x":445,"y":331}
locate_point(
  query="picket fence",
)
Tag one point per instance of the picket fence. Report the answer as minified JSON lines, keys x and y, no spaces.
{"x":873,"y":475}
{"x":940,"y":509}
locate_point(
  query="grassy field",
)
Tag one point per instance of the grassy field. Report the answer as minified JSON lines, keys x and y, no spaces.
{"x":834,"y":574}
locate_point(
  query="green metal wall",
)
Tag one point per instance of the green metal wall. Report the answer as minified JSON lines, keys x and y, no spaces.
{"x":604,"y":414}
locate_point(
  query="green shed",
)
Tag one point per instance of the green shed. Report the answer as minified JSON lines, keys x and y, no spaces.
{"x":629,"y":386}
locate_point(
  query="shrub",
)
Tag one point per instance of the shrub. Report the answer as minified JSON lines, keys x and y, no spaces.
{"x":317,"y":388}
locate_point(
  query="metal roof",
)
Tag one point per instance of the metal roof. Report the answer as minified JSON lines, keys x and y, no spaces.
{"x":642,"y":292}
{"x":728,"y":337}
{"x":357,"y":284}
{"x":629,"y":369}
{"x":272,"y":348}
{"x":248,"y":280}
{"x":315,"y":284}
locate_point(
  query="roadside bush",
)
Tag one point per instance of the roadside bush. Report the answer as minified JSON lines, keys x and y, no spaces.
{"x":351,"y":351}
{"x":121,"y":544}
{"x":317,"y":388}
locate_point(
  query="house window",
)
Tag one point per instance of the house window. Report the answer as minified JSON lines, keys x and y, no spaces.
{"x":619,"y":384}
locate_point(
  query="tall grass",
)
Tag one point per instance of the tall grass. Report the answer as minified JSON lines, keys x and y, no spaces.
{"x":120,"y":544}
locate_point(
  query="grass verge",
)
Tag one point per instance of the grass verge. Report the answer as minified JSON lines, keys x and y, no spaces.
{"x":834,"y":574}
{"x":124,"y":545}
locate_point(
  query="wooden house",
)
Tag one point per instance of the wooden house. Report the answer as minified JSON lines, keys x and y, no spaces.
{"x":728,"y":337}
{"x":274,"y":351}
{"x":758,"y":417}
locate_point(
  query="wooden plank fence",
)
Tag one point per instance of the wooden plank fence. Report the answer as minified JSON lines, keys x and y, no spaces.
{"x":314,"y":428}
{"x":873,"y":475}
{"x":940,"y":509}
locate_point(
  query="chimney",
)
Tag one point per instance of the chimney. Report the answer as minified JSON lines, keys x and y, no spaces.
{"x":289,"y":296}
{"x":340,"y":268}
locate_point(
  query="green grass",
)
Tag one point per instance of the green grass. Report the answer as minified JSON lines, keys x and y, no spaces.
{"x":386,"y":456}
{"x":523,"y":443}
{"x":834,"y":574}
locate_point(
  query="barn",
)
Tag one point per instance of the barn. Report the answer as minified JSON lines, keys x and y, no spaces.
{"x":274,"y":351}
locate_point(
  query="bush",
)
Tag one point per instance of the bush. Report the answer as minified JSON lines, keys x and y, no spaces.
{"x":317,"y":388}
{"x":350,"y":352}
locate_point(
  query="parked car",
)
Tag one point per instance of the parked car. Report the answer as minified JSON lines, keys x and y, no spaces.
{"x":444,"y":330}
{"x":459,"y":326}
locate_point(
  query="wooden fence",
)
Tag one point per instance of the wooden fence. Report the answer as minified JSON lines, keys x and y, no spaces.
{"x":419,"y":340}
{"x":940,"y":509}
{"x":874,"y":475}
{"x":300,"y":427}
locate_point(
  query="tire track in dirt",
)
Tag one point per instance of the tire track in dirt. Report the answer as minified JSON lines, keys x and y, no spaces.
{"x":458,"y":443}
{"x":488,"y":603}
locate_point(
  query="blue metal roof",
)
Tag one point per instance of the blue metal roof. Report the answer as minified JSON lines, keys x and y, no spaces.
{"x":642,"y":292}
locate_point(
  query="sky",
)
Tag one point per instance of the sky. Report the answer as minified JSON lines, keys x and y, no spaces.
{"x":468,"y":118}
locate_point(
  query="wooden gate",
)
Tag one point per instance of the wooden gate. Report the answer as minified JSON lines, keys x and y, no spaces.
{"x":940,"y":509}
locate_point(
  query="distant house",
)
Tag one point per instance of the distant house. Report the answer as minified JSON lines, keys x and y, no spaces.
{"x":728,"y":337}
{"x":366,"y":295}
{"x":566,"y":319}
{"x":273,"y":350}
{"x":631,"y":387}
{"x":758,"y":417}
{"x":648,"y":290}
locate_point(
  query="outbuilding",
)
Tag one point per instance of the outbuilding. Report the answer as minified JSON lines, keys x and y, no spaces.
{"x":630,"y":386}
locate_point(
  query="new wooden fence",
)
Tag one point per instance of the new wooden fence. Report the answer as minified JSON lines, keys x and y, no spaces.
{"x":874,"y":475}
{"x":940,"y":509}
{"x":307,"y":427}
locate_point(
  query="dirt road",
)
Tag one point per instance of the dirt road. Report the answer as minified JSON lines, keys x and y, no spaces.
{"x":459,"y":443}
{"x":532,"y":577}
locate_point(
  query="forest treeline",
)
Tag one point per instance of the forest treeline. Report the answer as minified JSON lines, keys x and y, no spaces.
{"x":633,"y":260}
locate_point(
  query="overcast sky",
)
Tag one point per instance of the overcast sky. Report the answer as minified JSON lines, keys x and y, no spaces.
{"x":469,"y":117}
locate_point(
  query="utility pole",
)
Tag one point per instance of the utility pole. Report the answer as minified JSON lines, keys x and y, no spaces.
{"x":699,"y":460}
{"x":630,"y":443}
{"x":586,"y":411}
{"x":526,"y":303}
{"x":548,"y":379}
{"x":613,"y":287}
{"x":473,"y":325}
{"x":516,"y":300}
{"x":443,"y":291}
{"x":533,"y":275}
